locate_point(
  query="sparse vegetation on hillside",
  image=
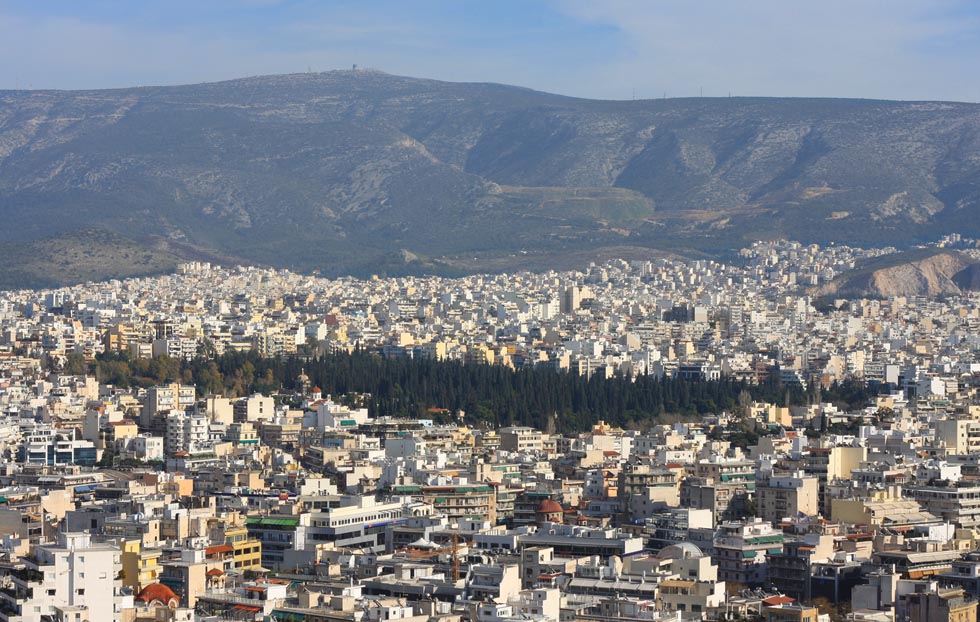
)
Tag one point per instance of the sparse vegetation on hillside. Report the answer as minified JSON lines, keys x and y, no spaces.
{"x":363,"y":172}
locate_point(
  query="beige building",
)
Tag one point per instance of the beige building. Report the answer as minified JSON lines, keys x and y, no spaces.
{"x":867,"y":506}
{"x":693,"y":586}
{"x":140,"y":565}
{"x":521,"y":439}
{"x":832,"y":463}
{"x":959,"y":436}
{"x":789,"y":495}
{"x":766,"y":413}
{"x":941,"y":605}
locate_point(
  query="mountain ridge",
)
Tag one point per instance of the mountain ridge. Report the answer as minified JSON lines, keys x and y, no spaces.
{"x":331,"y":171}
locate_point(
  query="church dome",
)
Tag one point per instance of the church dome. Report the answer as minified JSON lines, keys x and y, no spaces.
{"x":681,"y":550}
{"x":549,"y":506}
{"x":160,"y":594}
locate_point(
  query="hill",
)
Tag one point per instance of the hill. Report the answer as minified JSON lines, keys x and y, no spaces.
{"x":363,"y":172}
{"x":923,"y":272}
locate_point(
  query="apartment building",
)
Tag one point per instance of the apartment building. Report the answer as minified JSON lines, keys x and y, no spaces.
{"x":166,"y":397}
{"x":789,"y":495}
{"x":742,"y":549}
{"x":941,"y":605}
{"x":355,"y":522}
{"x":457,"y":501}
{"x":958,"y":503}
{"x":725,"y":500}
{"x":521,"y":439}
{"x":76,"y":576}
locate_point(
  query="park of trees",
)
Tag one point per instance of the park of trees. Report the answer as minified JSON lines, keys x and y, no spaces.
{"x":492,"y":395}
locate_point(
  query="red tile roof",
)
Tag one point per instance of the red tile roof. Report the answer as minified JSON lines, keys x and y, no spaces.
{"x":777,"y":600}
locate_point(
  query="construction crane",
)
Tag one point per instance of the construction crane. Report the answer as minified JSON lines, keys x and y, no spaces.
{"x":453,"y":550}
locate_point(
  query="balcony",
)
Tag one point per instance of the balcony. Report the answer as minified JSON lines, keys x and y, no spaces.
{"x":12,"y":603}
{"x":27,"y":575}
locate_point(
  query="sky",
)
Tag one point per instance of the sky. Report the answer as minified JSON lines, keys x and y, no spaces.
{"x":609,"y":49}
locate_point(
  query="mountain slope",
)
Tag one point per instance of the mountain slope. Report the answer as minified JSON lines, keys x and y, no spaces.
{"x":923,"y":272}
{"x":342,"y":171}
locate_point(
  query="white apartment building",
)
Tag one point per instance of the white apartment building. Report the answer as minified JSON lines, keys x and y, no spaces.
{"x":166,"y":397}
{"x":741,"y":550}
{"x":74,"y":580}
{"x":354,"y":521}
{"x":186,"y":432}
{"x":255,"y":408}
{"x":143,"y":447}
{"x":329,"y":415}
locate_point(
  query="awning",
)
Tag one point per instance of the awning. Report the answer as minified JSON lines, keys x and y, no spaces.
{"x":277,"y":522}
{"x":246,"y":608}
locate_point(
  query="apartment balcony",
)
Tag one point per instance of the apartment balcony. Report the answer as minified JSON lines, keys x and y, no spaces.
{"x":24,"y":578}
{"x":12,"y":603}
{"x":484,"y":590}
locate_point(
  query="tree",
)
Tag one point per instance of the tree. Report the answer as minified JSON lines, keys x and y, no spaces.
{"x":206,"y":349}
{"x":837,"y":611}
{"x":744,"y":401}
{"x":75,"y":365}
{"x":311,"y":346}
{"x":108,"y":456}
{"x":116,"y":373}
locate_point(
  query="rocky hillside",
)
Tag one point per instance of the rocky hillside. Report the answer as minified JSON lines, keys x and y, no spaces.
{"x":913,"y":273}
{"x":360,"y":171}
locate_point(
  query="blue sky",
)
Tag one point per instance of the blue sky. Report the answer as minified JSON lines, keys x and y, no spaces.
{"x":894,"y":49}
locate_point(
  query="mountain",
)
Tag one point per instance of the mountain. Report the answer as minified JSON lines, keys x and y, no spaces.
{"x":364,"y":172}
{"x":922,"y":272}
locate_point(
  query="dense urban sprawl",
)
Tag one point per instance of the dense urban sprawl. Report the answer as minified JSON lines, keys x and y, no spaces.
{"x":136,"y":488}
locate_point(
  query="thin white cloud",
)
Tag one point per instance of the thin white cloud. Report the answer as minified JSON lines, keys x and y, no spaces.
{"x":899,"y":49}
{"x":852,"y":48}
